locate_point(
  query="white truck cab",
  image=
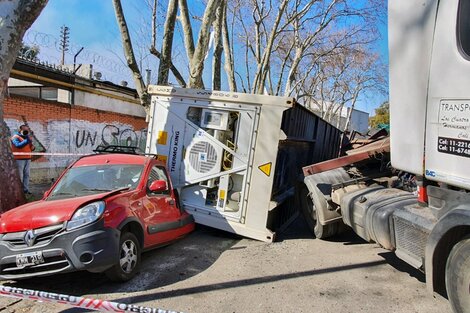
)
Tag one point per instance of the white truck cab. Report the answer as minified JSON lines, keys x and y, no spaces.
{"x":429,"y":148}
{"x":429,"y":89}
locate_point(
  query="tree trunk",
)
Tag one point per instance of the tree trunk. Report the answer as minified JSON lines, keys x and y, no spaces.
{"x":228,"y":53}
{"x":130,"y":57}
{"x":167,"y":44}
{"x":293,"y":71}
{"x":348,"y":120}
{"x":353,"y":104}
{"x":197,"y":63}
{"x":217,"y":57}
{"x":156,"y":53}
{"x":187,"y":29}
{"x":263,"y":67}
{"x":11,"y":193}
{"x":16,"y":17}
{"x":154,"y":23}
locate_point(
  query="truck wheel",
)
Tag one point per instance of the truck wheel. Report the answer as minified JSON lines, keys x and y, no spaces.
{"x":307,"y":206}
{"x":129,"y":259}
{"x":458,"y":277}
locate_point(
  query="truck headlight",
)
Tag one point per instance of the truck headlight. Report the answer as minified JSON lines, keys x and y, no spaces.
{"x":86,"y":215}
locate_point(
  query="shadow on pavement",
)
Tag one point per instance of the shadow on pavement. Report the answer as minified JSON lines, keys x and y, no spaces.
{"x":241,"y":283}
{"x":299,"y":230}
{"x":402,"y":266}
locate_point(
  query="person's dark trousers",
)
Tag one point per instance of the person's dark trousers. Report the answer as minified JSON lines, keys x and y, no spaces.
{"x":23,"y":168}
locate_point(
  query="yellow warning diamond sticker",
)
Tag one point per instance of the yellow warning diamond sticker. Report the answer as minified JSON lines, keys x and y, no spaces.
{"x":266,"y":168}
{"x":162,"y":137}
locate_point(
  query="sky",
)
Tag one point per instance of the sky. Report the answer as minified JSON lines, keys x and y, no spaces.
{"x":93,"y":25}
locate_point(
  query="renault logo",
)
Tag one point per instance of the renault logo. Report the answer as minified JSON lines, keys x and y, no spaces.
{"x":29,"y":237}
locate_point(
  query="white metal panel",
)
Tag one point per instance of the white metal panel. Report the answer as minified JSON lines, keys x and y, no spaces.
{"x":411,"y":26}
{"x":268,"y":135}
{"x":224,"y":96}
{"x":214,"y":119}
{"x":448,"y":112}
{"x":162,"y":119}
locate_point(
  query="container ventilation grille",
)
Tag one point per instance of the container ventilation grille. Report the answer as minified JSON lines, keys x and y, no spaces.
{"x":202,"y":157}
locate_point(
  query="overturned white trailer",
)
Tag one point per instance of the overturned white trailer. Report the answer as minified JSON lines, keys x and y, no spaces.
{"x":235,"y":158}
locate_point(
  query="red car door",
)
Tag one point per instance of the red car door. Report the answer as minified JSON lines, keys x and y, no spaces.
{"x":161,"y":215}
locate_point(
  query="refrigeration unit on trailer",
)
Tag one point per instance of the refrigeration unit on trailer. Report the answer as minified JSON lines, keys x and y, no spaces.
{"x":235,"y":158}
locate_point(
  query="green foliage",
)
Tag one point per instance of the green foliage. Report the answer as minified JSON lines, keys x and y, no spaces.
{"x":381,"y":117}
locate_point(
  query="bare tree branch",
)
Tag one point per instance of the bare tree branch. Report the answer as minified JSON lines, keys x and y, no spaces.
{"x":130,"y":57}
{"x":174,"y":70}
{"x":167,"y":44}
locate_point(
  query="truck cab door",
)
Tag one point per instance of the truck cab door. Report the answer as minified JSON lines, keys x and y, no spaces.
{"x":162,"y":214}
{"x":448,"y":106}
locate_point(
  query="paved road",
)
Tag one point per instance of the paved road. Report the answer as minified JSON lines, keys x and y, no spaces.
{"x":211,"y":271}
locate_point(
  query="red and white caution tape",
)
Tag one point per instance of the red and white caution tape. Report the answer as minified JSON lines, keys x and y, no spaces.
{"x":54,"y":154}
{"x":80,"y":302}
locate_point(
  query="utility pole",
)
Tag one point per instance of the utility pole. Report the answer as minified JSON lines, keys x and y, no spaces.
{"x":64,"y":41}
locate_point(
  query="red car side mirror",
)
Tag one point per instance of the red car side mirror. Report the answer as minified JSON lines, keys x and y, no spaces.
{"x":46,"y":194}
{"x":158,"y":185}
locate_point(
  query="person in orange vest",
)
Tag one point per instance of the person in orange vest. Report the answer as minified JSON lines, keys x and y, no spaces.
{"x":21,"y":142}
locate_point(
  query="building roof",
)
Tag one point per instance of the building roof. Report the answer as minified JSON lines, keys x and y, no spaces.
{"x":52,"y":75}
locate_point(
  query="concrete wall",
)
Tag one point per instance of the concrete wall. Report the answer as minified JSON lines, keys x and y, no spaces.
{"x":124,"y":104}
{"x":108,"y":104}
{"x":62,"y":128}
{"x":359,"y":121}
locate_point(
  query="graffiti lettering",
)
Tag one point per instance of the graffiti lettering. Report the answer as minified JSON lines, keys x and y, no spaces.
{"x":109,"y":135}
{"x":86,"y":138}
{"x":128,"y":137}
{"x":75,"y":136}
{"x":113,"y":135}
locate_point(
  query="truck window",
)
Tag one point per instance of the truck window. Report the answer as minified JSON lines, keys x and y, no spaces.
{"x":463,"y":27}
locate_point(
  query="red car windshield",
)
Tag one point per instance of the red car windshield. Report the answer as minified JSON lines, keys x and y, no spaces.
{"x":87,"y":180}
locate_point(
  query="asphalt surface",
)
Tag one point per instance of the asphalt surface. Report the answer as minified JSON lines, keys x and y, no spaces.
{"x":213,"y":271}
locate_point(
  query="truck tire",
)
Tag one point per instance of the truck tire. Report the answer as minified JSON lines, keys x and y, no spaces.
{"x":128,"y":263}
{"x":307,"y":206}
{"x":458,"y":277}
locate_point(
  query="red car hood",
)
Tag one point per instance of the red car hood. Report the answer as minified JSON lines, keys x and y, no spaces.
{"x":43,"y":213}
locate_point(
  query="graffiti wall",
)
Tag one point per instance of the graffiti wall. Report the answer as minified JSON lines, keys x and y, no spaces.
{"x":75,"y":136}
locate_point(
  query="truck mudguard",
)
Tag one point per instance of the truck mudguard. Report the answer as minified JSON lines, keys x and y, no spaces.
{"x":319,"y":186}
{"x":449,"y":230}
